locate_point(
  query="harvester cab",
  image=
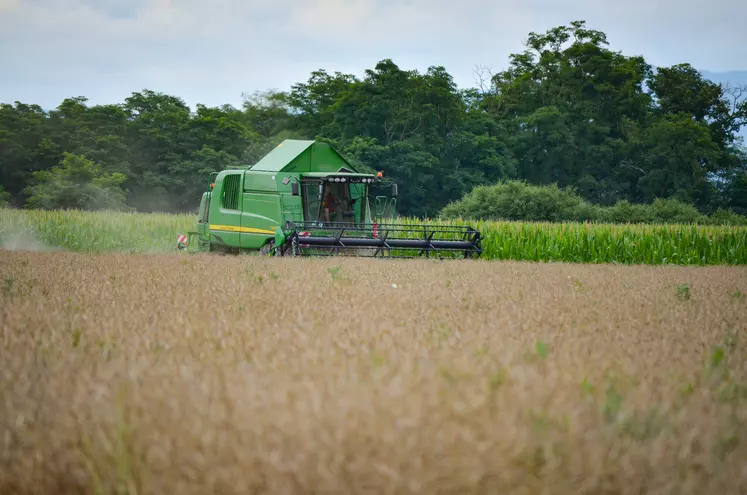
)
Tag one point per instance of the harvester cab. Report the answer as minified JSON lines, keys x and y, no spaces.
{"x":303,"y":198}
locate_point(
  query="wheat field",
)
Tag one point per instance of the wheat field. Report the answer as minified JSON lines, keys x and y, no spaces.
{"x":172,"y":373}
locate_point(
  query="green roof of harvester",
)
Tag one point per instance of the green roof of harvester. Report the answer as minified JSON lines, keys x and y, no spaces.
{"x":302,"y":156}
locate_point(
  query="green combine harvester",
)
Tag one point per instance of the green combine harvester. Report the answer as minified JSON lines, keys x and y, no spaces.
{"x":303,"y":198}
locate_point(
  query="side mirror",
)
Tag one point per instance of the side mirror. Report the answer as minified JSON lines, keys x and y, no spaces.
{"x":321,"y":191}
{"x":394,"y":189}
{"x":294,"y":189}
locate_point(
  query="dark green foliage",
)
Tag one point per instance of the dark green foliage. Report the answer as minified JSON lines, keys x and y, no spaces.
{"x":4,"y":197}
{"x":568,"y":112}
{"x":78,"y":183}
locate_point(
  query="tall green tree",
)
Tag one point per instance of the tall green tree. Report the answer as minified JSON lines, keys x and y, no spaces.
{"x":568,"y":110}
{"x":314,"y":101}
{"x":77,"y":183}
{"x":703,"y":119}
{"x":567,"y":98}
{"x":25,"y":147}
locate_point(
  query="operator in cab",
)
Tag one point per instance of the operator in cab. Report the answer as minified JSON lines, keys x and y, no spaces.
{"x":329,"y":206}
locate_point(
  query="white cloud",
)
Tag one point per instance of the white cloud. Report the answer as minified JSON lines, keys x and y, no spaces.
{"x":211,"y":52}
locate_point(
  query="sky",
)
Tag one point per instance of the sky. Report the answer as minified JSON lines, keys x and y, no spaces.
{"x":213,"y":51}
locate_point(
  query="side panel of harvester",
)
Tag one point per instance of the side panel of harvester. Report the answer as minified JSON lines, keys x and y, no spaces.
{"x":247,"y":207}
{"x":261,"y":212}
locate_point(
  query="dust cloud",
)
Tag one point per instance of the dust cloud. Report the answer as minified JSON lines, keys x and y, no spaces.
{"x":24,"y":240}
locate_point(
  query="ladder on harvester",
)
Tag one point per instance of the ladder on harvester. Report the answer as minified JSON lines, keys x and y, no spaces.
{"x":384,"y":208}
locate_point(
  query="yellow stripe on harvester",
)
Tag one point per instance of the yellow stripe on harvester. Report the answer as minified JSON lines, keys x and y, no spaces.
{"x":243,"y":230}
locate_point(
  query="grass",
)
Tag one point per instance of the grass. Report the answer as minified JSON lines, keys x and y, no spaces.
{"x":522,"y":241}
{"x":160,"y":373}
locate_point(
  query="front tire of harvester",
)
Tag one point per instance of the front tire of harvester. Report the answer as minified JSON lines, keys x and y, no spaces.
{"x":267,"y":248}
{"x":287,"y":248}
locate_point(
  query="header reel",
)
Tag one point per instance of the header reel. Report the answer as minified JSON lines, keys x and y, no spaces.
{"x":381,"y":240}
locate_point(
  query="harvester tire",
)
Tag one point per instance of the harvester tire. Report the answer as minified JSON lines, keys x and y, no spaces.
{"x":267,"y":247}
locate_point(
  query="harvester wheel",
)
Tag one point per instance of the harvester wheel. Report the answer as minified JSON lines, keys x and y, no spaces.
{"x":267,"y":247}
{"x":283,"y":250}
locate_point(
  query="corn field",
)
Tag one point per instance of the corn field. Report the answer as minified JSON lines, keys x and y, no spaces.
{"x":613,"y":243}
{"x":520,"y":241}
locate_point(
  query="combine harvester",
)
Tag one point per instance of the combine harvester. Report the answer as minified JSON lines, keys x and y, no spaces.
{"x":303,"y":198}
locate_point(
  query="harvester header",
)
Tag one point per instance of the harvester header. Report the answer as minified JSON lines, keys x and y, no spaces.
{"x":304,"y":198}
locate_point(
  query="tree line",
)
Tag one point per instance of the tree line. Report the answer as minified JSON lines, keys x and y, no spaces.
{"x":568,"y":111}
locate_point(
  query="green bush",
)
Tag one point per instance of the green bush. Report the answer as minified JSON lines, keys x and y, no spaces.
{"x":586,"y":212}
{"x":727,"y":217}
{"x":626,"y":212}
{"x":77,"y":183}
{"x":514,"y":200}
{"x":674,"y":211}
